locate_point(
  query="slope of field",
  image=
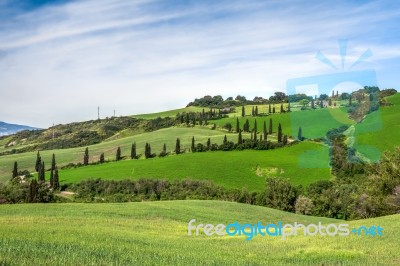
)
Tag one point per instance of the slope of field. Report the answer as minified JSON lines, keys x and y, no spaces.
{"x":170,"y":113}
{"x":379,"y":131}
{"x":302,"y":163}
{"x":155,"y":138}
{"x":155,"y":233}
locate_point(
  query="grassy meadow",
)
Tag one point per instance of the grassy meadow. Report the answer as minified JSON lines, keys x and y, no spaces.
{"x":302,"y":163}
{"x":155,"y":233}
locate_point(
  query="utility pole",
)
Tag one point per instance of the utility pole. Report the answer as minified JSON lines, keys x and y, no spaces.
{"x":98,"y":112}
{"x":114,"y":112}
{"x":53,"y":130}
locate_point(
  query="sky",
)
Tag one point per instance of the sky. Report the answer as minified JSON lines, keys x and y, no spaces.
{"x":60,"y":60}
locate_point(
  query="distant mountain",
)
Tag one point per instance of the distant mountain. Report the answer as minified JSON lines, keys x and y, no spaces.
{"x":8,"y":129}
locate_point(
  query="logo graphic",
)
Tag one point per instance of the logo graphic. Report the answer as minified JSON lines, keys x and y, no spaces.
{"x":331,"y":92}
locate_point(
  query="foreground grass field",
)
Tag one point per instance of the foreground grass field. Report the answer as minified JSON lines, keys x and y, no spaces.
{"x":155,"y":233}
{"x":302,"y":163}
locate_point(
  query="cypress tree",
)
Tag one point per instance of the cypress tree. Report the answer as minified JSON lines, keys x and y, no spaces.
{"x":255,"y":125}
{"x":225,"y":139}
{"x":243,"y":111}
{"x":56,"y":182}
{"x":240,"y":139}
{"x":15,"y":170}
{"x":273,"y":109}
{"x":285,"y":140}
{"x":102,"y":157}
{"x":330,"y":102}
{"x":118,"y":154}
{"x":350,"y":103}
{"x":86,"y":157}
{"x":321,"y":103}
{"x":251,"y":135}
{"x":208,"y":143}
{"x":300,"y":134}
{"x":282,"y":108}
{"x":252,"y":111}
{"x":237,"y":125}
{"x":178,"y":146}
{"x":165,"y":147}
{"x":33,"y":191}
{"x":279,"y":133}
{"x":270,"y":126}
{"x":133,"y":151}
{"x":312,"y":104}
{"x":51,"y":177}
{"x":42,"y":173}
{"x":181,"y":118}
{"x":193,"y":147}
{"x":147,"y":151}
{"x":53,"y":162}
{"x":187,"y":119}
{"x":265,"y":126}
{"x":269,"y":108}
{"x":38,"y":162}
{"x":256,"y":111}
{"x":255,"y":135}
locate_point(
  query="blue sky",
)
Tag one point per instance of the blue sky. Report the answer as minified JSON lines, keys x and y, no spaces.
{"x":59,"y":60}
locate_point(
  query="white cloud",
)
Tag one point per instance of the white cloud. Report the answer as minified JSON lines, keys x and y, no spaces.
{"x":58,"y":63}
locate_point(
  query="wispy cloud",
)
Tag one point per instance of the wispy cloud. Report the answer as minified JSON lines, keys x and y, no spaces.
{"x":59,"y":62}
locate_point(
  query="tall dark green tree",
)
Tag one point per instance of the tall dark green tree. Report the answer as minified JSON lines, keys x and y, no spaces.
{"x":240,"y":139}
{"x":300,"y":134}
{"x":279,"y":133}
{"x":133,"y":151}
{"x":285,"y":139}
{"x":165,"y":147}
{"x":86,"y":157}
{"x":256,"y":111}
{"x":56,"y":182}
{"x":246,"y":126}
{"x":282,"y":108}
{"x":178,"y":146}
{"x":269,"y":109}
{"x":312,"y":104}
{"x":33,"y":191}
{"x":193,"y":147}
{"x":208,"y":143}
{"x":15,"y":170}
{"x":243,"y":111}
{"x":147,"y":151}
{"x":273,"y":109}
{"x":102,"y":157}
{"x":270,"y":126}
{"x":225,"y":139}
{"x":237,"y":125}
{"x":265,"y":130}
{"x":252,"y":111}
{"x":42,"y":172}
{"x":187,"y":119}
{"x":38,"y":162}
{"x":118,"y":154}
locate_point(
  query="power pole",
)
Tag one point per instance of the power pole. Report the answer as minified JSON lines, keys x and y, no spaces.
{"x":53,"y":130}
{"x":114,"y":112}
{"x":98,"y":112}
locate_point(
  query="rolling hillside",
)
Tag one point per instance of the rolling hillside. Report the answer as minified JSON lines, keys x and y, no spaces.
{"x":150,"y":233}
{"x":8,"y":129}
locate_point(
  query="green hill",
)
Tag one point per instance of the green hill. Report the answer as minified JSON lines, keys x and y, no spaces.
{"x":303,"y":163}
{"x":155,"y":233}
